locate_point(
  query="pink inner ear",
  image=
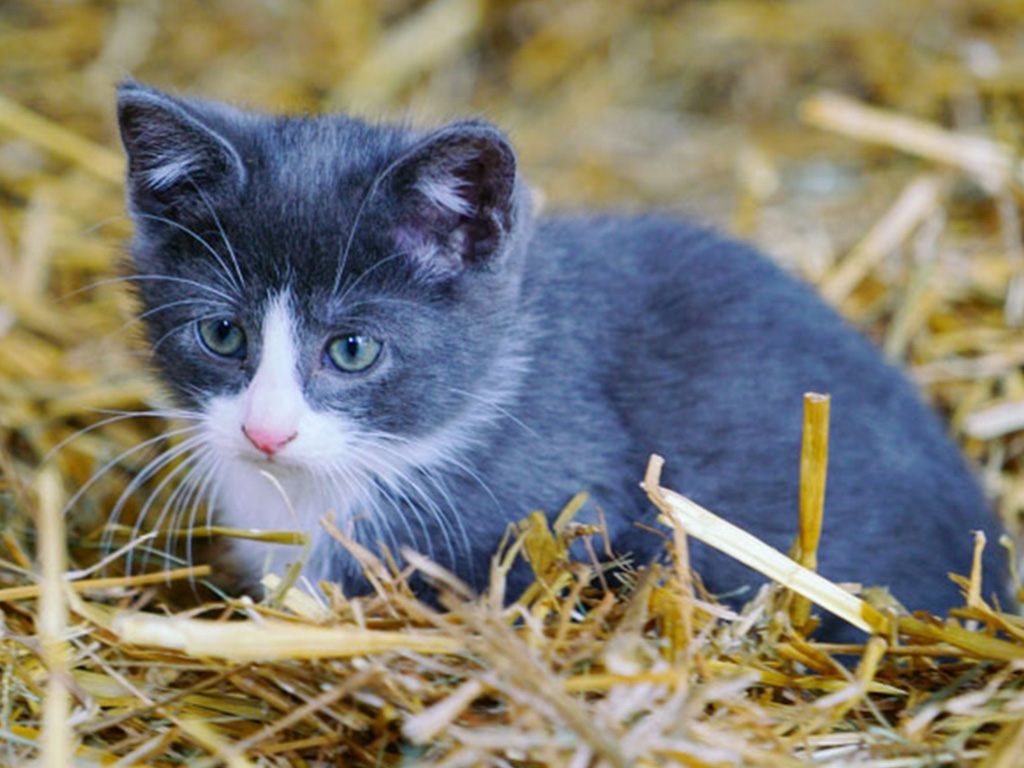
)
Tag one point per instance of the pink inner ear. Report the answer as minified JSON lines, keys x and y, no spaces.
{"x":435,"y":243}
{"x":458,"y":204}
{"x":433,"y":233}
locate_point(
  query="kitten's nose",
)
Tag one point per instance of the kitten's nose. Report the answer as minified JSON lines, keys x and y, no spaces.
{"x":267,"y":440}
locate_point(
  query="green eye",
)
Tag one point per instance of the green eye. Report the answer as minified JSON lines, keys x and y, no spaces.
{"x":353,"y":353}
{"x":223,"y":337}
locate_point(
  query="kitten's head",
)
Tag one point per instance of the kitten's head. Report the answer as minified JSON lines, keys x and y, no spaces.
{"x":326,"y":293}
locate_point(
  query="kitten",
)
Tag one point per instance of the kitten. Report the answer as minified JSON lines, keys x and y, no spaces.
{"x":372,"y":314}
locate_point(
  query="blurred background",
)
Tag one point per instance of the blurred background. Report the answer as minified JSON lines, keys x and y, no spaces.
{"x":907,"y":215}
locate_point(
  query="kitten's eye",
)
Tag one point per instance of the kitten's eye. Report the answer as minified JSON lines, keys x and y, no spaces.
{"x":353,"y":353}
{"x":222,"y":336}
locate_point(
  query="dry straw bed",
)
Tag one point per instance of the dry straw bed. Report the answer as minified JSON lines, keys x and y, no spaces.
{"x":870,"y":146}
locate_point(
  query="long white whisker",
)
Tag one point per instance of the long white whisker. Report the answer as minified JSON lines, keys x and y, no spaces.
{"x":146,"y":278}
{"x":201,"y":240}
{"x":369,"y":270}
{"x":226,"y":309}
{"x":429,"y":505}
{"x":205,"y":497}
{"x":188,"y":463}
{"x":472,"y":474}
{"x":497,"y":407}
{"x":419,"y":537}
{"x":401,"y":506}
{"x":102,"y":564}
{"x":452,"y":513}
{"x":180,"y":492}
{"x":370,"y":192}
{"x":377,"y":300}
{"x":223,"y":236}
{"x":346,"y":487}
{"x":179,"y":500}
{"x":121,"y":457}
{"x":151,"y":468}
{"x":118,"y":416}
{"x":433,"y":476}
{"x":364,"y":499}
{"x":104,"y":222}
{"x":175,"y":329}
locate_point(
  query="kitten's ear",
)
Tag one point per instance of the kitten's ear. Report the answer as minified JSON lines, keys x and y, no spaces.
{"x":173,"y":157}
{"x":456,"y":194}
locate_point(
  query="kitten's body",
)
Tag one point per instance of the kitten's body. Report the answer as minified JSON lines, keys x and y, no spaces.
{"x":521,"y":362}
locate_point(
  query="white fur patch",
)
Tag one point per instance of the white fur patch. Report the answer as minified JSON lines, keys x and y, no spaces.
{"x":274,"y":402}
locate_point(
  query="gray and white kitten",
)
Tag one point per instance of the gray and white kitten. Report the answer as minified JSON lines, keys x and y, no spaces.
{"x":373,"y":315}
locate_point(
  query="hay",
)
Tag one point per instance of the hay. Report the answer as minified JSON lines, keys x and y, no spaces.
{"x":900,"y":198}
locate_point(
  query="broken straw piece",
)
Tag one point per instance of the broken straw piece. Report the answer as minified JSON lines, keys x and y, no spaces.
{"x":751,"y":551}
{"x":268,"y":640}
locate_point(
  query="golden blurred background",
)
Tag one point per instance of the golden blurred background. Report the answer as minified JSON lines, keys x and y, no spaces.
{"x":871,"y":146}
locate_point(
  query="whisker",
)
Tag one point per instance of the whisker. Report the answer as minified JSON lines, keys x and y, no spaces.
{"x":201,"y":240}
{"x":179,"y":327}
{"x":165,"y":413}
{"x":223,"y":236}
{"x":384,"y":488}
{"x":118,"y":416}
{"x":347,"y":490}
{"x":204,"y":497}
{"x":121,"y":457}
{"x":376,"y":300}
{"x":190,"y":462}
{"x":349,"y":287}
{"x":200,"y":492}
{"x":435,"y":479}
{"x":182,"y":491}
{"x":497,"y":407}
{"x":164,"y":307}
{"x":103,"y":223}
{"x":473,"y":475}
{"x":145,"y":278}
{"x":151,"y":468}
{"x":430,"y":506}
{"x":179,"y":496}
{"x":102,"y":564}
{"x":370,"y":192}
{"x":368,"y":503}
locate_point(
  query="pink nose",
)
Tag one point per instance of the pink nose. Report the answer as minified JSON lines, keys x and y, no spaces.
{"x":267,"y":440}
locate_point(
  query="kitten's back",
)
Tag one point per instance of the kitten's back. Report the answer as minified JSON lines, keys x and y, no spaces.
{"x":704,"y":348}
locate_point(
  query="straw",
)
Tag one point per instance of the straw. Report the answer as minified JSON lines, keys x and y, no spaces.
{"x":813,"y":470}
{"x":57,"y":747}
{"x":898,"y":197}
{"x":737,"y":543}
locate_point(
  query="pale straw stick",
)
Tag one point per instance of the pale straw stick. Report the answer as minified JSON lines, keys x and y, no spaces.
{"x":813,"y":470}
{"x":56,"y":733}
{"x":754,"y":553}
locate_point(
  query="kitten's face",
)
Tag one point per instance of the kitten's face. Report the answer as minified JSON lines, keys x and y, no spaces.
{"x":332,"y":298}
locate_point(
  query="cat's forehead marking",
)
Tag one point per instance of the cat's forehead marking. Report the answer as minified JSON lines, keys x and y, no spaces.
{"x":279,"y":348}
{"x":273,"y":400}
